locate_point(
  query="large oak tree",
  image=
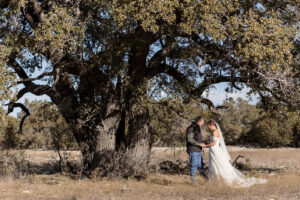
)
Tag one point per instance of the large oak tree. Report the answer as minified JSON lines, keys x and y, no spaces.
{"x":94,"y":60}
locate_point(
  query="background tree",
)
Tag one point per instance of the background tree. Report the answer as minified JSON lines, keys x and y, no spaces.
{"x":237,"y":119}
{"x":274,"y":128}
{"x":11,"y":136}
{"x":94,"y":59}
{"x":46,"y":128}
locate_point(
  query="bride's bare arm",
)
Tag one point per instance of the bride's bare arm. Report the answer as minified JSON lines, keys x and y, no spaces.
{"x":210,"y":144}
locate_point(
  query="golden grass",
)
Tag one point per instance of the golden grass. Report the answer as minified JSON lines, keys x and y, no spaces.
{"x":281,"y":184}
{"x":156,"y":186}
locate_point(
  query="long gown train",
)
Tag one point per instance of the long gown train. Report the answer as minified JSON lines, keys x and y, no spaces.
{"x":220,"y":167}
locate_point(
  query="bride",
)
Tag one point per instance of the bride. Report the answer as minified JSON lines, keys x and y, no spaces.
{"x":219,"y":161}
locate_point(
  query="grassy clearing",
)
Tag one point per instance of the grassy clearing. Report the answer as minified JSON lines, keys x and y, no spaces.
{"x":282,"y":184}
{"x":156,"y":186}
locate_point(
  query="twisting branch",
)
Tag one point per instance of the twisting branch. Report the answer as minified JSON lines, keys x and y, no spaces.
{"x":188,"y":86}
{"x":36,"y":78}
{"x":26,"y":80}
{"x":29,"y":87}
{"x":11,"y":107}
{"x":33,"y":12}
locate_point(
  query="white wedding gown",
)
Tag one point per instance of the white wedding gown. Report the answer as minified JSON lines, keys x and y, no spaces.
{"x":220,"y":167}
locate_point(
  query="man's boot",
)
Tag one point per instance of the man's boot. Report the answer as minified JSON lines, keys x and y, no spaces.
{"x":194,"y":180}
{"x":204,"y":174}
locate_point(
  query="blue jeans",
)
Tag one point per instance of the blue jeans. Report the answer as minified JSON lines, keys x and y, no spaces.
{"x":196,"y":162}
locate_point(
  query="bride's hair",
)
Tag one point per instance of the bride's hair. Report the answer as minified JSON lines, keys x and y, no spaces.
{"x":212,"y":122}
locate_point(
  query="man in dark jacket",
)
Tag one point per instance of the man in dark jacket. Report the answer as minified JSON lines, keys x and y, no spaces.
{"x":193,"y":142}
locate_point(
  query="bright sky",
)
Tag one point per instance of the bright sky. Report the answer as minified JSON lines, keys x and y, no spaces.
{"x":218,"y":95}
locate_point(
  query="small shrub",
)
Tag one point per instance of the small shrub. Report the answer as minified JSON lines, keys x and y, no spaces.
{"x":13,"y":164}
{"x":11,"y":138}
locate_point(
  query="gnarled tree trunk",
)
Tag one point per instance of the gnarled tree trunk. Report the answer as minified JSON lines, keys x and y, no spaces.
{"x":105,"y":142}
{"x":140,"y":140}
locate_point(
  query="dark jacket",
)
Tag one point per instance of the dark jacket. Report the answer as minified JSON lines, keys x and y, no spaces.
{"x":193,"y":138}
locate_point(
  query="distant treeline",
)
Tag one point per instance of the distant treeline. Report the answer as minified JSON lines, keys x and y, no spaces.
{"x":241,"y":122}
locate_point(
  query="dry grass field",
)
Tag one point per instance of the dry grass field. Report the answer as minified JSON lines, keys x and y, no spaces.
{"x":281,"y":167}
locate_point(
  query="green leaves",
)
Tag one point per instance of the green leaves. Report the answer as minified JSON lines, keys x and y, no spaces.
{"x":60,"y":33}
{"x":261,"y":36}
{"x":7,"y":77}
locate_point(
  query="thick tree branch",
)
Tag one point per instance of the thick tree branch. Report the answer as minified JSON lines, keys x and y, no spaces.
{"x":216,"y":51}
{"x":11,"y":107}
{"x":182,"y":78}
{"x":29,"y":85}
{"x":18,"y":69}
{"x":138,"y":55}
{"x":36,"y":78}
{"x":33,"y":13}
{"x":188,"y":86}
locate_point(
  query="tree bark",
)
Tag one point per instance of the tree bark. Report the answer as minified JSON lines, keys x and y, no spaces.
{"x":139,"y":148}
{"x":105,"y":141}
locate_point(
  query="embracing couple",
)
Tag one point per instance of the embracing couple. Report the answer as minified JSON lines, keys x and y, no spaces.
{"x":220,"y":167}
